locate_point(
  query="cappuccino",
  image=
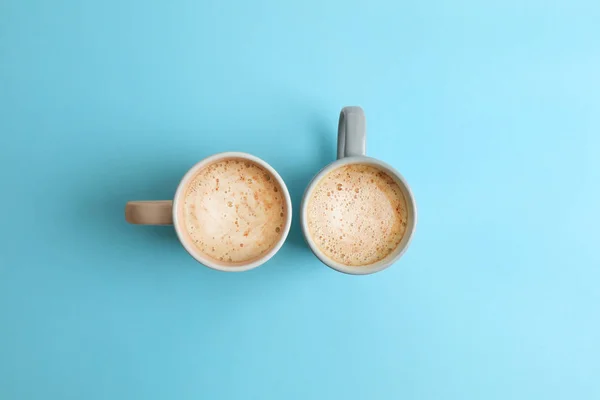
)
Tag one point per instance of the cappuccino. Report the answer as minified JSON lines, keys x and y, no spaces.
{"x":357,"y":215}
{"x":234,"y":211}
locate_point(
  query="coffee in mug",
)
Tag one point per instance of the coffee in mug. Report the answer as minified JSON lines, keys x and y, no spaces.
{"x":233,"y":211}
{"x":357,"y":214}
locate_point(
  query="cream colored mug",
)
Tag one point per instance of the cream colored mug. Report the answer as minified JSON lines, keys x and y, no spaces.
{"x":170,"y":212}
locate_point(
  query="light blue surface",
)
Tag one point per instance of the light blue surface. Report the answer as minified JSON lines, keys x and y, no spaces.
{"x":491,"y":110}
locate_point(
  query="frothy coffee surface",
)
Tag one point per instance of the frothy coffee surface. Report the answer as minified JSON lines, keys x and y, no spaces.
{"x":234,"y":211}
{"x":357,"y":215}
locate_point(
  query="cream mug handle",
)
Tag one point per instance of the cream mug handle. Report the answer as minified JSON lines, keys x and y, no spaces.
{"x":151,"y":212}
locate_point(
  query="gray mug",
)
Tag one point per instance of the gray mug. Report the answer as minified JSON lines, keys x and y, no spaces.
{"x":351,"y":150}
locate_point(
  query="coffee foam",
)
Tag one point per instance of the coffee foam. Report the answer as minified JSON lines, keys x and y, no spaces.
{"x":357,"y":215}
{"x":234,"y":211}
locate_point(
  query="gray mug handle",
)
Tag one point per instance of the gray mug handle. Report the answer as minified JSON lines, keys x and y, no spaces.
{"x":352,"y":132}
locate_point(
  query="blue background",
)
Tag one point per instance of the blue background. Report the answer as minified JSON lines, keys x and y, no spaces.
{"x":489,"y":109}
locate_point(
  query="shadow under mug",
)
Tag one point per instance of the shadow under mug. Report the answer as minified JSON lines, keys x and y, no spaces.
{"x":167,"y":212}
{"x":351,"y":150}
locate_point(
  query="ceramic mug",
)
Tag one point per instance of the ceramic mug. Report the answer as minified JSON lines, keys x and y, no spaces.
{"x":351,"y":150}
{"x":169,"y":212}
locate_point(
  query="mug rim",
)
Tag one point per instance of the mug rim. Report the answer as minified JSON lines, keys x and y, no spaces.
{"x":381,"y":264}
{"x":180,"y":229}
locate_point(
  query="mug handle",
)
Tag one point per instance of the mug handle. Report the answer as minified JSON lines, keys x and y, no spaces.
{"x":152,"y":212}
{"x":352,"y":132}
